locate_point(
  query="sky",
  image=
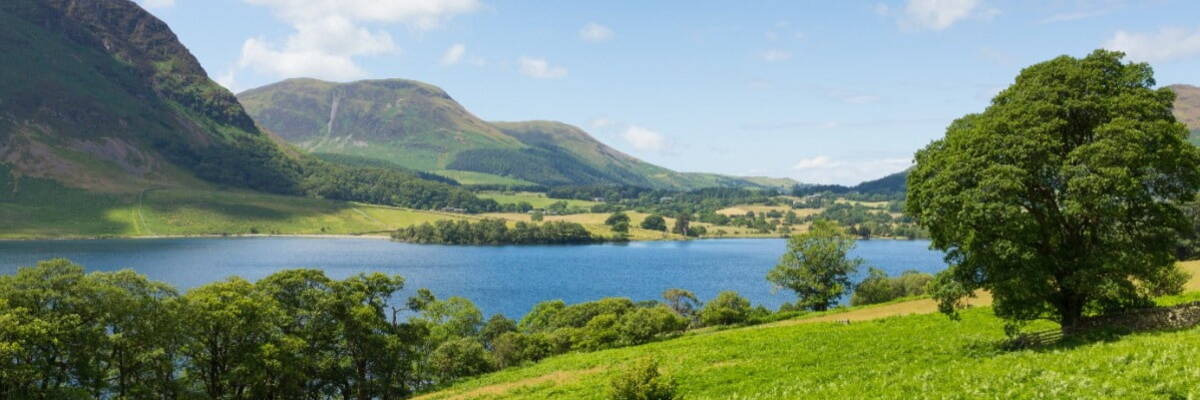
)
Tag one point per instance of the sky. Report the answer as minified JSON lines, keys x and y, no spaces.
{"x":818,"y":91}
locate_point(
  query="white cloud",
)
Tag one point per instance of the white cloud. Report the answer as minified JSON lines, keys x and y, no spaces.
{"x":814,"y":163}
{"x":420,"y":14}
{"x":596,"y":33}
{"x":936,"y":15}
{"x":540,"y":68}
{"x":259,"y":56}
{"x":329,"y":34}
{"x":1165,"y":45}
{"x":774,"y":55}
{"x":157,"y":3}
{"x":454,"y":54}
{"x":228,"y":80}
{"x":827,"y":170}
{"x":601,"y":123}
{"x":644,"y":139}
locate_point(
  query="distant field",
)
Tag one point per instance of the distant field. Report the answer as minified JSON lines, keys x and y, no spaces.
{"x":1192,"y":267}
{"x":916,"y":356}
{"x":479,"y":178}
{"x":43,"y":210}
{"x":537,"y":200}
{"x":181,"y":212}
{"x":742,"y":209}
{"x":868,"y":204}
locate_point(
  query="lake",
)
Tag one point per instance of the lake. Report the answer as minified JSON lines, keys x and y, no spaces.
{"x":499,"y":279}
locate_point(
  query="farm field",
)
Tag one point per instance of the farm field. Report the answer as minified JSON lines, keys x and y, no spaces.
{"x":898,"y":357}
{"x":595,"y":223}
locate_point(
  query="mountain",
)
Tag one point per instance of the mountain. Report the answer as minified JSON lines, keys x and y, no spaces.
{"x":419,"y":126}
{"x":1187,"y":108}
{"x":100,"y":95}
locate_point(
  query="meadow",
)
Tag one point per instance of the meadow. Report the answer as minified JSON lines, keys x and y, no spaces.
{"x":882,"y":353}
{"x":46,"y":210}
{"x":537,"y":200}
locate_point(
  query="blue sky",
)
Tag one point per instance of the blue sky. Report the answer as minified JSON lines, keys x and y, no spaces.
{"x":819,"y":91}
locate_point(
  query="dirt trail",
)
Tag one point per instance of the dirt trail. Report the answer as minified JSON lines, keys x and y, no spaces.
{"x":557,"y":377}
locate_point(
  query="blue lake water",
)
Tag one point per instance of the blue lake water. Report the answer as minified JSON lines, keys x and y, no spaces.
{"x":502,"y":279}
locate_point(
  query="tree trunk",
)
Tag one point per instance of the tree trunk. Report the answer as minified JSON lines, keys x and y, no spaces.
{"x":1070,"y":313}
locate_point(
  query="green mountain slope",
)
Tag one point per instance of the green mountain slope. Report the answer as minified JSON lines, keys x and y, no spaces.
{"x":1187,"y":108}
{"x":419,"y":126}
{"x":99,"y":94}
{"x":99,"y":103}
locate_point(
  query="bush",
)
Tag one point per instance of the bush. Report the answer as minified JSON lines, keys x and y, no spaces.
{"x":654,"y":223}
{"x":879,"y":288}
{"x":642,"y":381}
{"x":727,"y":309}
{"x":509,"y":349}
{"x":459,"y":358}
{"x":644,"y":324}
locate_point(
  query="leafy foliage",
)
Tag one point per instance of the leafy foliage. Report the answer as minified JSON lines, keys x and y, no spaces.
{"x":816,"y":266}
{"x":1061,"y":196}
{"x":642,"y":381}
{"x":879,"y":288}
{"x":490,"y":231}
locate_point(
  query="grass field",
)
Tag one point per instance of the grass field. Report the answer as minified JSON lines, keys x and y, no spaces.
{"x":916,"y":356}
{"x":537,"y":200}
{"x":478,"y":178}
{"x":898,"y":350}
{"x":47,"y":210}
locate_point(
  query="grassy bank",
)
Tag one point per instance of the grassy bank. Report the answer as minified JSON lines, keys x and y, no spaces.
{"x":918,"y":356}
{"x":46,"y":210}
{"x":898,"y":350}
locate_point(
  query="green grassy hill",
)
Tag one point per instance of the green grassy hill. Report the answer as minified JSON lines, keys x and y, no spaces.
{"x":99,"y":94}
{"x":44,"y":208}
{"x":419,"y":126}
{"x":903,"y":357}
{"x":99,"y":102}
{"x":1187,"y":108}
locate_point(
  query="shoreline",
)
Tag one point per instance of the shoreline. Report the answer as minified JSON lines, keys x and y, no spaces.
{"x":373,"y":235}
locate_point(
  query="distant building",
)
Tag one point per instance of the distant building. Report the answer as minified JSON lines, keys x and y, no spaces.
{"x":666,"y":199}
{"x":598,"y":199}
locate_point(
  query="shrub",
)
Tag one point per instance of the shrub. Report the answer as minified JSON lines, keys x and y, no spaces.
{"x":654,"y":223}
{"x":459,"y":358}
{"x":644,"y":324}
{"x":642,"y":381}
{"x":599,"y":333}
{"x":879,"y":288}
{"x":509,"y":349}
{"x":727,"y":309}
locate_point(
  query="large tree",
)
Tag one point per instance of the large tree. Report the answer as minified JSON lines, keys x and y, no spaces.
{"x":1059,"y":198}
{"x":817,"y":265}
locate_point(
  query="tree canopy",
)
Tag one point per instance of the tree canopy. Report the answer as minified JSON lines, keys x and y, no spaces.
{"x":816,"y":265}
{"x":1061,"y":197}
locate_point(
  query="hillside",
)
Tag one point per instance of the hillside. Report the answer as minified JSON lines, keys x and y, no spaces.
{"x":1187,"y":107}
{"x":419,"y":126}
{"x":99,"y":102}
{"x":896,"y":351}
{"x":101,"y":95}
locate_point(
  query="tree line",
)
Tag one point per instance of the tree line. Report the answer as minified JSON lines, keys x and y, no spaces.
{"x":296,"y":334}
{"x":493,"y":231}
